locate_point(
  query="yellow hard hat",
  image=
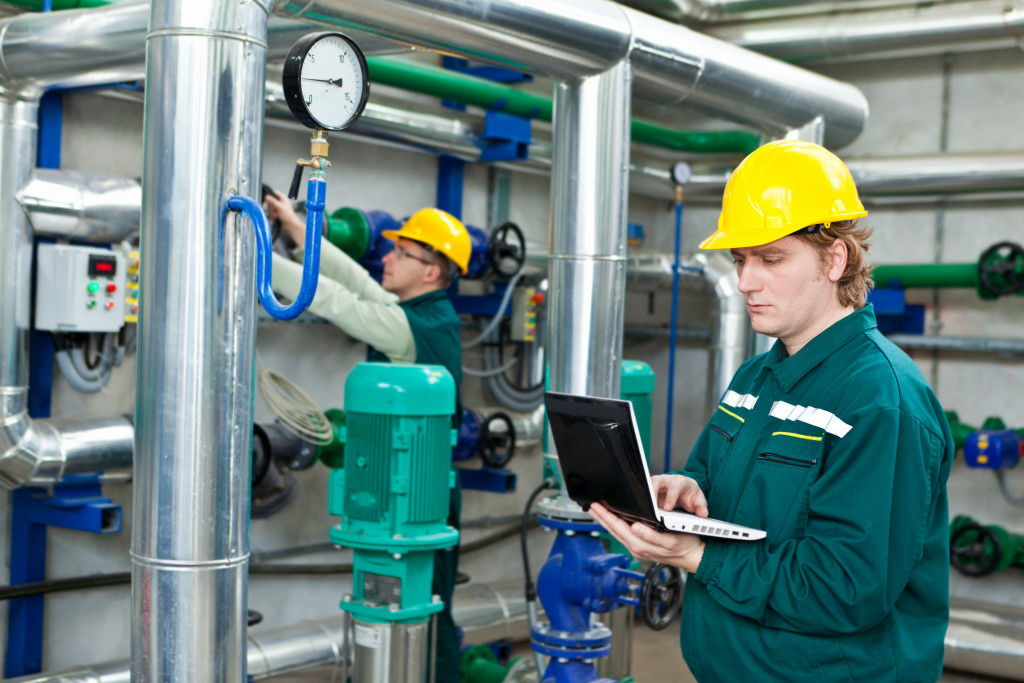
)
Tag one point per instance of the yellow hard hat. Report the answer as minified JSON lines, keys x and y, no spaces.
{"x":440,"y":231}
{"x":782,"y":187}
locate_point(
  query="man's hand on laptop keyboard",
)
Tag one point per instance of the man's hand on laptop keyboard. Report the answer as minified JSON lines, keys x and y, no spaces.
{"x":645,"y":543}
{"x":676,"y":491}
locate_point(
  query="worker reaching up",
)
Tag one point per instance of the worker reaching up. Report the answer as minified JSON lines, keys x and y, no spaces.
{"x":407,"y":318}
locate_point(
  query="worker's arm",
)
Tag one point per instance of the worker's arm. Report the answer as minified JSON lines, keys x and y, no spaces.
{"x":381,"y":324}
{"x":343,"y":269}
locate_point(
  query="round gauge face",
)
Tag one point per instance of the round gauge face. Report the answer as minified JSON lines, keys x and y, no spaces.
{"x":325,"y":81}
{"x":681,"y":173}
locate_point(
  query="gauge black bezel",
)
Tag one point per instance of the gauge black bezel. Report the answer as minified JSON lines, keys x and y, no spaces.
{"x":292,"y":83}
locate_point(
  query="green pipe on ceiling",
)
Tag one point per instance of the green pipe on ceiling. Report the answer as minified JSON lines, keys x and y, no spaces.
{"x":460,"y":87}
{"x":37,"y":5}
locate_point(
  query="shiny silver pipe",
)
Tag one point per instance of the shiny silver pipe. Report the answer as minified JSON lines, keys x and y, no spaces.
{"x":730,"y":324}
{"x":689,"y":11}
{"x":81,"y":206}
{"x":921,"y":30}
{"x":75,"y":48}
{"x":966,"y":344}
{"x":491,"y":612}
{"x":203,"y":141}
{"x":587,"y":263}
{"x":317,"y":648}
{"x":573,"y":39}
{"x":985,"y":638}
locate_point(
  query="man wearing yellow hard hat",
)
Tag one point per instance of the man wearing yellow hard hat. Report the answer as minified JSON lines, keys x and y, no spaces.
{"x":831,"y":441}
{"x":407,"y":318}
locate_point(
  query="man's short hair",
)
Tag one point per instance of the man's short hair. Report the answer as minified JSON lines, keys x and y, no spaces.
{"x":855,"y":281}
{"x":449,"y":270}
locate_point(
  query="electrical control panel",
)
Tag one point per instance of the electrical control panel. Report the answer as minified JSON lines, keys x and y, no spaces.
{"x":79,"y":289}
{"x":525,"y":302}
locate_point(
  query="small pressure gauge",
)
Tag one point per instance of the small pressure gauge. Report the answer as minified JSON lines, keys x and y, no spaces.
{"x":325,"y":80}
{"x":681,"y":173}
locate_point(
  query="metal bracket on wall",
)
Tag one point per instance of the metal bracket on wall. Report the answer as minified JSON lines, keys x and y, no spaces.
{"x":75,"y":503}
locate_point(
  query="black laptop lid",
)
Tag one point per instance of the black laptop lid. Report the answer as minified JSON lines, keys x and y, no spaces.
{"x":600,"y":453}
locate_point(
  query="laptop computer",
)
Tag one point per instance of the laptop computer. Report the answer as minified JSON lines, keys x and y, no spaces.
{"x":602,"y":460}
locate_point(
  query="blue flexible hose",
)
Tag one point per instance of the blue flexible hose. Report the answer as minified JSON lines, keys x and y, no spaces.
{"x":672,"y":338}
{"x":315,"y":191}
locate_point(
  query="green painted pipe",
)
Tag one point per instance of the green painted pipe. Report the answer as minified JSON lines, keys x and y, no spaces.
{"x":927,"y":275}
{"x":55,"y":5}
{"x":460,"y":87}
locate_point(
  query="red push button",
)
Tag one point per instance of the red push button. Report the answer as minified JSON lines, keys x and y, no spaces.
{"x":110,"y":305}
{"x":538,"y":298}
{"x":111,"y":288}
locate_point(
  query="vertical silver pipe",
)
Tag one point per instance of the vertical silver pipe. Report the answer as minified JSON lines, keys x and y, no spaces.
{"x":203,"y":137}
{"x":730,"y":324}
{"x":587,"y":262}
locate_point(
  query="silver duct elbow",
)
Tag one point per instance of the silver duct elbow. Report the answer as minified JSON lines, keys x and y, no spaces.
{"x":81,"y":206}
{"x":41,"y":452}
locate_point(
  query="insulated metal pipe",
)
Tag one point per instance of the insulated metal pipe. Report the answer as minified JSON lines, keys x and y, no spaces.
{"x":587,"y":263}
{"x":203,"y":141}
{"x":81,"y":206}
{"x":573,"y":39}
{"x":924,"y":29}
{"x":985,"y":638}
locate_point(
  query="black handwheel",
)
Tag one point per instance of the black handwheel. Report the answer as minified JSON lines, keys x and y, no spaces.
{"x":661,"y":595}
{"x":497,"y":444}
{"x":1001,"y":268}
{"x":980,"y":554}
{"x":507,"y":256}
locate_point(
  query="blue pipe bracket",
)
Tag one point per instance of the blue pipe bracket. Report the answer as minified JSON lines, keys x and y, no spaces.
{"x":76,"y":503}
{"x":315,"y":203}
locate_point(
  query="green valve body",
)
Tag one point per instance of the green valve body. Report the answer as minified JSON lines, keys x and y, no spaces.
{"x":392,"y":494}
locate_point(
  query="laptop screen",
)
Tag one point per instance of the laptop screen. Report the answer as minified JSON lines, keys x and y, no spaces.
{"x":600,"y":452}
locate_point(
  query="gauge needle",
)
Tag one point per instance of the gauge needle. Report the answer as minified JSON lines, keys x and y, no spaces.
{"x":332,"y":81}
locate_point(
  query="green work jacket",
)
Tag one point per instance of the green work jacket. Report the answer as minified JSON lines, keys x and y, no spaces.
{"x":435,"y":330}
{"x":841,"y":453}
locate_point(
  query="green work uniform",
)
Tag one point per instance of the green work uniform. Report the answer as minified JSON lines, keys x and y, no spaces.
{"x":841,"y":453}
{"x":435,"y":329}
{"x":424,"y":329}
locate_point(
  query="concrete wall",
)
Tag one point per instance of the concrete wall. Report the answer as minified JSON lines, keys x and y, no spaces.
{"x":986,"y":92}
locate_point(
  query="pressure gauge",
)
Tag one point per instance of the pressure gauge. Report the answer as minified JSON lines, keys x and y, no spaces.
{"x":325,"y":81}
{"x":681,"y":173}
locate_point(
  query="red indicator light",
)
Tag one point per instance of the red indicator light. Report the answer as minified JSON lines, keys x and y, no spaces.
{"x":111,"y":288}
{"x":110,"y":305}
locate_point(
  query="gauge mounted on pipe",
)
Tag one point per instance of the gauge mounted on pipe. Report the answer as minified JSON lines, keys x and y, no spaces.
{"x":326,"y":82}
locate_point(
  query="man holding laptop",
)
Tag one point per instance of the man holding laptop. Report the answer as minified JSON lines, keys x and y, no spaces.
{"x":831,"y":442}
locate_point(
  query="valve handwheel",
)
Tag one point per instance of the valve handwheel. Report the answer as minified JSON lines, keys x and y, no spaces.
{"x":980,"y":552}
{"x":661,"y":595}
{"x":497,"y":446}
{"x":1001,"y":268}
{"x":507,"y":256}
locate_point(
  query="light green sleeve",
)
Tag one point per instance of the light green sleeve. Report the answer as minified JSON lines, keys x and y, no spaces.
{"x":380,"y":323}
{"x":340,"y":267}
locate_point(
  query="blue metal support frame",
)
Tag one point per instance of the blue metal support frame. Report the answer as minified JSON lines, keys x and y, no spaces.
{"x":75,"y":503}
{"x":450,"y":173}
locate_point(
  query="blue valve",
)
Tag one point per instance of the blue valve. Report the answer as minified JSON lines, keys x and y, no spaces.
{"x":315,"y":202}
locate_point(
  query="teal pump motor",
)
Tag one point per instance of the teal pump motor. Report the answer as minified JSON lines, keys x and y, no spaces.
{"x":392,"y":496}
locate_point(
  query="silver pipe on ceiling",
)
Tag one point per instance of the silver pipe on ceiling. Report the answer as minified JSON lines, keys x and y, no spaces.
{"x":203,"y":142}
{"x":705,"y":11}
{"x":573,"y":39}
{"x":926,"y":29}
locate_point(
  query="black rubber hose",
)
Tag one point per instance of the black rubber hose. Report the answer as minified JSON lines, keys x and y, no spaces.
{"x":25,"y":590}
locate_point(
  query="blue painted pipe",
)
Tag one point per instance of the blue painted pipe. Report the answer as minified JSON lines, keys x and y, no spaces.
{"x":315,"y":191}
{"x":672,"y":338}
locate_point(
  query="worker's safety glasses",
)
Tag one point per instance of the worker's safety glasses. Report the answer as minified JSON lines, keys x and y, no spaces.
{"x":401,"y":253}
